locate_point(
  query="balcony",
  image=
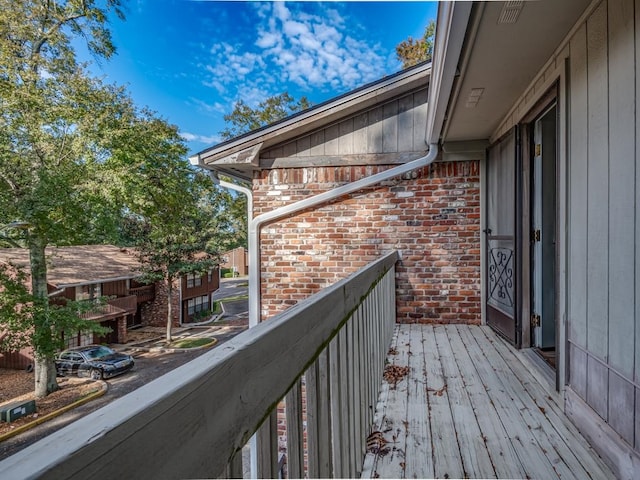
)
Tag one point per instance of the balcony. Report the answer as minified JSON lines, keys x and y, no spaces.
{"x":144,"y":293}
{"x":456,"y":401}
{"x":129,"y":303}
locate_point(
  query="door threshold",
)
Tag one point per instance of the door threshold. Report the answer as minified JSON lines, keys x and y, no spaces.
{"x":540,"y":368}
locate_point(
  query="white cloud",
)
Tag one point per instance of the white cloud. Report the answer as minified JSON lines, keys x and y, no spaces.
{"x":193,"y":137}
{"x":215,"y":107}
{"x":325,"y":40}
{"x":315,"y":51}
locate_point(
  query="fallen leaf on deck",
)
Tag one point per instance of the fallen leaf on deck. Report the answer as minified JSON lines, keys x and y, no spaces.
{"x":438,"y":391}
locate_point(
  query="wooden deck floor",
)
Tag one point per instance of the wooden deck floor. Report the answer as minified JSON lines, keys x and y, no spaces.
{"x":468,"y":408}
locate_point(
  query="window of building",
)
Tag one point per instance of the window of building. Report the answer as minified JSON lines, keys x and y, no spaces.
{"x":198,"y":304}
{"x":210,"y":276}
{"x":193,"y":280}
{"x":88,"y":292}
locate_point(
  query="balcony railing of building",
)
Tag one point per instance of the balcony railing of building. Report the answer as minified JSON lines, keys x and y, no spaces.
{"x":128,"y":303}
{"x":115,"y":307}
{"x":194,"y":421}
{"x":144,"y":293}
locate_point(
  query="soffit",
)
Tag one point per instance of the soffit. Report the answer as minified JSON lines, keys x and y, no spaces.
{"x":503,"y":59}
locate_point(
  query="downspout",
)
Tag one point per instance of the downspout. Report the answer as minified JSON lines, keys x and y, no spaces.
{"x":237,"y":188}
{"x":249,"y":194}
{"x":256,"y":224}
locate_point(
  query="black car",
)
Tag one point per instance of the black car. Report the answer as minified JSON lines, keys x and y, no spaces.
{"x":95,"y":361}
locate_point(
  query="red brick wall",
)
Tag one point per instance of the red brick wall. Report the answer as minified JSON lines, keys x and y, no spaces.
{"x":431,"y":215}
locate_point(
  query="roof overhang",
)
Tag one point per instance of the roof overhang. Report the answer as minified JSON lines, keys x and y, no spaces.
{"x":239,"y":157}
{"x":486,"y":54}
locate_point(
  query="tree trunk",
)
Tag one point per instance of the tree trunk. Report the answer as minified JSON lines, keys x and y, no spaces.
{"x":45,"y":376}
{"x":45,"y":371}
{"x":169,"y":308}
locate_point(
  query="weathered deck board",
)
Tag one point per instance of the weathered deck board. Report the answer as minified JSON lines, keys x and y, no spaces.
{"x":447,"y":457}
{"x":581,"y":455}
{"x":470,"y":408}
{"x":392,"y":427}
{"x":475,"y":457}
{"x":503,"y":455}
{"x":419,"y":451}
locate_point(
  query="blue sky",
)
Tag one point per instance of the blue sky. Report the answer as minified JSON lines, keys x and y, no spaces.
{"x":191,"y":60}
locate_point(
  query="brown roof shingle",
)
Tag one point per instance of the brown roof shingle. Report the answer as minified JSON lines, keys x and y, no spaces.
{"x":82,"y":264}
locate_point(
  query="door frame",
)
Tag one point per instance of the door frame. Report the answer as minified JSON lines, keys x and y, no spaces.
{"x":551,"y":96}
{"x":555,"y":93}
{"x":553,"y":90}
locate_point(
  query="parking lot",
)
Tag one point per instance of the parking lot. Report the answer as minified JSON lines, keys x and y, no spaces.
{"x":150,"y":363}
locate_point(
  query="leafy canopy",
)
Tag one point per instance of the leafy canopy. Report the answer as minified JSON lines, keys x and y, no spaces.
{"x":244,"y":119}
{"x":411,"y":52}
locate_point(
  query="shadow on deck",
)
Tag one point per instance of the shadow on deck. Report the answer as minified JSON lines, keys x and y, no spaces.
{"x":469,"y":408}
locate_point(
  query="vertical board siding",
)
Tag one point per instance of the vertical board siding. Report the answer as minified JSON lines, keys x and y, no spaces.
{"x":374,"y":131}
{"x":621,"y":186}
{"x":603,"y":217}
{"x":405,"y":124}
{"x":621,"y":406}
{"x":578,"y":168}
{"x":637,"y":223}
{"x":345,"y":139}
{"x":390,"y":127}
{"x":597,"y":184}
{"x":419,"y":119}
{"x":397,"y":126}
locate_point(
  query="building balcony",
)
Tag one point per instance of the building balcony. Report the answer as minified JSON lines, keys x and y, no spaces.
{"x":144,"y":293}
{"x":380,"y":400}
{"x":129,"y":303}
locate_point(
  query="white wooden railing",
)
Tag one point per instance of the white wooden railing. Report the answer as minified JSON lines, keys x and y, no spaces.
{"x":194,"y":421}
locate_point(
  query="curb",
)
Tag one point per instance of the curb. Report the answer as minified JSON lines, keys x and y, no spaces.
{"x":58,"y":412}
{"x":175,"y":350}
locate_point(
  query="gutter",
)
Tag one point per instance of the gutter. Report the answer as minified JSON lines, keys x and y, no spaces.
{"x":258,"y":222}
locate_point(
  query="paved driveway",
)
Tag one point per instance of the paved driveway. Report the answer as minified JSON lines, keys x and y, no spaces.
{"x":231,"y":288}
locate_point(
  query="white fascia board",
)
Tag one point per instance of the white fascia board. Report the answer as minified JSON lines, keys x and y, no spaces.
{"x":346,"y":102}
{"x":451,"y":27}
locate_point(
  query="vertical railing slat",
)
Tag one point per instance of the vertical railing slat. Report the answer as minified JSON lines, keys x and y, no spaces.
{"x":342,"y":387}
{"x":234,"y":468}
{"x":311,"y":384}
{"x":336,"y":408}
{"x":324,"y":416}
{"x":344,"y":472}
{"x":351,"y":413}
{"x":295,"y":438}
{"x":357,"y":414}
{"x":267,"y":445}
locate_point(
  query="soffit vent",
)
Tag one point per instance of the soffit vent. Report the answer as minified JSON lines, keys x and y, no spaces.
{"x":510,"y":12}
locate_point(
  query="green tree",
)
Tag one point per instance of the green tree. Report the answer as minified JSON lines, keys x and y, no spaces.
{"x":244,"y":119}
{"x":232,"y":219}
{"x":224,"y":213}
{"x":53,"y":122}
{"x":411,"y":52}
{"x":173,"y":238}
{"x":19,"y":309}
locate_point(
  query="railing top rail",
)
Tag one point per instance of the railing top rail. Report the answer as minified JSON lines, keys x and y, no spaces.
{"x":189,"y":422}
